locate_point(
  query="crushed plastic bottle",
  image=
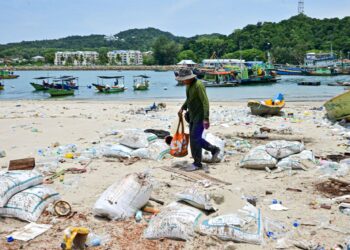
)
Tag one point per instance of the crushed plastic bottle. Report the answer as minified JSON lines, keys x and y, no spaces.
{"x":94,"y":240}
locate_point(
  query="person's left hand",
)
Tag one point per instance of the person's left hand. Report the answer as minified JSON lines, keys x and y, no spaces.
{"x":206,"y":124}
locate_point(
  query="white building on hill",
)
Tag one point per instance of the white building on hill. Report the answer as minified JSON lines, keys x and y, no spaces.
{"x":77,"y":58}
{"x":125,"y":57}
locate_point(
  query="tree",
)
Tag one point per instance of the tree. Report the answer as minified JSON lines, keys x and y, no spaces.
{"x":49,"y":55}
{"x":187,"y":54}
{"x":165,"y":51}
{"x":102,"y":56}
{"x":148,"y":60}
{"x":248,"y":55}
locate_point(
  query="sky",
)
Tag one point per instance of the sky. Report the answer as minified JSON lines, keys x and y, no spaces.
{"x":27,"y":20}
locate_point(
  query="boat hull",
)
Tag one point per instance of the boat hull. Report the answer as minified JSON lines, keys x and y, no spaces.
{"x":38,"y":87}
{"x":289,"y":72}
{"x":8,"y":77}
{"x":257,"y":80}
{"x":2,"y":87}
{"x":338,"y":107}
{"x":309,"y":83}
{"x":60,"y":92}
{"x":220,"y":85}
{"x":103,"y":89}
{"x":260,"y":109}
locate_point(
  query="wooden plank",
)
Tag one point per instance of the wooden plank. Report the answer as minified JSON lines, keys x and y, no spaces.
{"x":22,"y":164}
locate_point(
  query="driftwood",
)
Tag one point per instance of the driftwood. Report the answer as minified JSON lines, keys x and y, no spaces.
{"x":274,"y":137}
{"x":22,"y":164}
{"x":197,"y":176}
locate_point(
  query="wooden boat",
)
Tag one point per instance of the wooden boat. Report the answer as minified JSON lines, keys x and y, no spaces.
{"x":66,"y":82}
{"x":259,"y":79}
{"x":341,"y":84}
{"x":45,"y":85}
{"x":289,"y":71}
{"x":116,"y":87}
{"x":309,"y":83}
{"x":60,"y":92}
{"x":219,"y":79}
{"x":320,"y":72}
{"x":264,"y":108}
{"x":6,"y":74}
{"x":141,"y":82}
{"x":338,"y":107}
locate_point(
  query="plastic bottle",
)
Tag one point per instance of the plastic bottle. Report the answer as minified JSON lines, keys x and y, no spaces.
{"x":94,"y":240}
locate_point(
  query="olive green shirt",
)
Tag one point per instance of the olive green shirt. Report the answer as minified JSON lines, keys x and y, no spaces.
{"x":197,"y":102}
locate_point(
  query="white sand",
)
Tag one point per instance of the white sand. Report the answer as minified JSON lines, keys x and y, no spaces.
{"x":85,"y":122}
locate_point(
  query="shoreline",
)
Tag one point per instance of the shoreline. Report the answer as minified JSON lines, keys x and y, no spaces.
{"x":91,"y":68}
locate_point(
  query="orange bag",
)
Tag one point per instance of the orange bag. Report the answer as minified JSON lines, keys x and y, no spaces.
{"x":179,"y":143}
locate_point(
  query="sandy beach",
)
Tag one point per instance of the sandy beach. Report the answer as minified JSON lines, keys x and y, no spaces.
{"x":29,"y":126}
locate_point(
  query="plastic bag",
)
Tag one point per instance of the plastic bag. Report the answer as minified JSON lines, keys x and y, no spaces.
{"x":122,"y":199}
{"x":175,"y":221}
{"x":12,"y":182}
{"x":216,"y":141}
{"x":179,"y":143}
{"x":258,"y":158}
{"x":117,"y":151}
{"x":30,"y":203}
{"x":282,"y":149}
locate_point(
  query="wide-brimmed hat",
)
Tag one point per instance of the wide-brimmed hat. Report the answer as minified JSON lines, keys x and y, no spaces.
{"x":185,"y":74}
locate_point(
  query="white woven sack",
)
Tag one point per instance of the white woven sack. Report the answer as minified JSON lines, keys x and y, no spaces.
{"x":12,"y":182}
{"x":258,"y":158}
{"x":30,"y":203}
{"x":283,"y":149}
{"x":175,"y":221}
{"x":123,"y":198}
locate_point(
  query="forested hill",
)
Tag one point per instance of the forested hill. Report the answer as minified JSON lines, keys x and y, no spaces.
{"x":288,"y":41}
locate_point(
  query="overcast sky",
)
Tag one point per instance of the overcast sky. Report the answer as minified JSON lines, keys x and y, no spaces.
{"x":46,"y":19}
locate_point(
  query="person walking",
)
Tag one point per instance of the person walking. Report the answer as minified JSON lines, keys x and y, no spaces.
{"x":197,"y":107}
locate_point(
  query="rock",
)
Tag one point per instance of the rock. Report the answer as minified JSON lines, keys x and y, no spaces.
{"x":218,"y":198}
{"x":2,"y":153}
{"x":230,"y":246}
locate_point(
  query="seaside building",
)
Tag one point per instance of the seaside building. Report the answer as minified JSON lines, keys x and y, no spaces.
{"x":125,"y":57}
{"x":187,"y":63}
{"x":215,"y":63}
{"x":76,"y":58}
{"x":320,"y":60}
{"x":38,"y":59}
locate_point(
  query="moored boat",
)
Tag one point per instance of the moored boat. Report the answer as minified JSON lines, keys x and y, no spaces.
{"x":320,"y":72}
{"x":338,"y":107}
{"x":116,"y":87}
{"x":284,"y":70}
{"x":219,"y":79}
{"x":2,"y":86}
{"x":267,"y":107}
{"x":141,"y":82}
{"x":54,"y":92}
{"x":7,"y":74}
{"x":45,"y":85}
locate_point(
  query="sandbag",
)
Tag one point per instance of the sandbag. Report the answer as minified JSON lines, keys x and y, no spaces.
{"x":157,"y":150}
{"x":282,"y":149}
{"x":135,"y":139}
{"x":216,"y":141}
{"x":295,"y":162}
{"x":117,"y":151}
{"x":30,"y":203}
{"x":196,"y":198}
{"x":175,"y":221}
{"x":258,"y":158}
{"x":12,"y":182}
{"x":226,"y":228}
{"x":123,"y":198}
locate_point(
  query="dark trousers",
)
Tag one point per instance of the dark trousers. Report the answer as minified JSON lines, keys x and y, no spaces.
{"x":198,"y":143}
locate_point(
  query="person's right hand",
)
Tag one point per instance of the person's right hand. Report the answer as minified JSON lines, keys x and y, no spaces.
{"x":180,"y":112}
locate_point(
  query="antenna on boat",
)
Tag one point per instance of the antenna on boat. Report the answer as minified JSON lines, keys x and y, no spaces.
{"x":301,"y":7}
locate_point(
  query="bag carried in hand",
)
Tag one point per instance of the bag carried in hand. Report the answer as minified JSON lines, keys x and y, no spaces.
{"x":179,"y":143}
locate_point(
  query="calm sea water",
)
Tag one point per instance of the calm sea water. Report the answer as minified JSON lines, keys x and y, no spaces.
{"x":21,"y":89}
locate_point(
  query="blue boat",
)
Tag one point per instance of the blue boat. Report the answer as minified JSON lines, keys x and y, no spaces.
{"x":289,"y":71}
{"x":66,"y":82}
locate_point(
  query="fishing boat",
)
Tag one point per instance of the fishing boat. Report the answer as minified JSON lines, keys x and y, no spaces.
{"x":259,"y":79}
{"x":219,"y":79}
{"x":320,"y":72}
{"x":7,"y":74}
{"x":141,"y":82}
{"x":267,"y":107}
{"x":284,"y":70}
{"x":341,"y":84}
{"x":117,"y":86}
{"x":66,"y":82}
{"x":45,"y":85}
{"x":309,"y":83}
{"x":55,"y":92}
{"x":338,"y":107}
